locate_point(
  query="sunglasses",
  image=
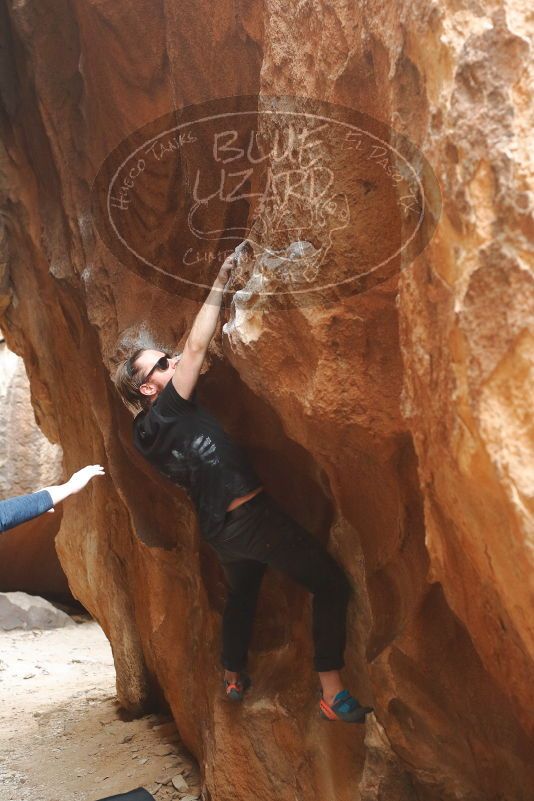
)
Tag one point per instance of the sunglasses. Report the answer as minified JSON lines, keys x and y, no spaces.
{"x":161,"y":364}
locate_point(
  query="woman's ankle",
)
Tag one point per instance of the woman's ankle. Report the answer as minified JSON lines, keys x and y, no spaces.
{"x":329,"y":697}
{"x":331,"y":685}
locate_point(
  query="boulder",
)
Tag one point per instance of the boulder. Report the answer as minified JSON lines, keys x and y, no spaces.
{"x":28,"y":462}
{"x":21,"y":611}
{"x":392,"y":421}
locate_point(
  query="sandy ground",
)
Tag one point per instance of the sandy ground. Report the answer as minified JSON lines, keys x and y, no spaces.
{"x":63,"y":736}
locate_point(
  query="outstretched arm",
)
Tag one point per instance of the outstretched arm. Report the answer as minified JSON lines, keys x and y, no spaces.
{"x":205,"y":323}
{"x":18,"y":510}
{"x":188,"y":368}
{"x":75,"y":483}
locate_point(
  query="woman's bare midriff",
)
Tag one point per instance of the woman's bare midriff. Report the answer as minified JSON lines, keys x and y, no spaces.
{"x":243,"y":498}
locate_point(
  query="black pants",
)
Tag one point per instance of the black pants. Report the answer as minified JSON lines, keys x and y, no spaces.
{"x":259,"y":533}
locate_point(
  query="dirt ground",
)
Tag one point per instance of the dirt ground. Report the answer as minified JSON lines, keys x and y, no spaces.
{"x":62,"y":734}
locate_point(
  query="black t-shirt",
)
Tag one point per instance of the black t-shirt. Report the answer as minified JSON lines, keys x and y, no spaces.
{"x":188,"y":446}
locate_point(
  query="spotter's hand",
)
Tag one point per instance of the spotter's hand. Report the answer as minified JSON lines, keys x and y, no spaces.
{"x":82,"y":477}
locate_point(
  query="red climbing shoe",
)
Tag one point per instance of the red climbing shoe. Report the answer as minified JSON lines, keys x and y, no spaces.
{"x":344,"y":707}
{"x":235,"y":690}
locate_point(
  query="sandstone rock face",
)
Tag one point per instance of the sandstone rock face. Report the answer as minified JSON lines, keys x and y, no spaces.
{"x":28,"y":462}
{"x":394,"y":424}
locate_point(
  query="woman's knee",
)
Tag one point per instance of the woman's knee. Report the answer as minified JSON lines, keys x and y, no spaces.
{"x":243,"y":596}
{"x":334,"y":582}
{"x":245,"y":591}
{"x":243,"y":579}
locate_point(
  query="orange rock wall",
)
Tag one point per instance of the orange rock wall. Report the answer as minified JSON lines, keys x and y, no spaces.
{"x":394,"y":425}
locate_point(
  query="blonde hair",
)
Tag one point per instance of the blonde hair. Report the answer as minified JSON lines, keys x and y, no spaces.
{"x":128,"y":381}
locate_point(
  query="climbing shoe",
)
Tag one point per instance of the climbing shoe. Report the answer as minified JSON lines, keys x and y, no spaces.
{"x":344,"y":707}
{"x":235,"y":690}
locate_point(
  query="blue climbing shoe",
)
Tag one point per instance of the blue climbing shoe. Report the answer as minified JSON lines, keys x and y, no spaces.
{"x":344,"y":707}
{"x":235,"y":690}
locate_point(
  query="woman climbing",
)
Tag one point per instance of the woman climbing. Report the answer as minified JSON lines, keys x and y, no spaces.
{"x":237,"y":517}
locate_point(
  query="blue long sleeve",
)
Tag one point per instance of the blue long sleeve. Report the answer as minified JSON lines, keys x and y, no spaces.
{"x":15,"y":511}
